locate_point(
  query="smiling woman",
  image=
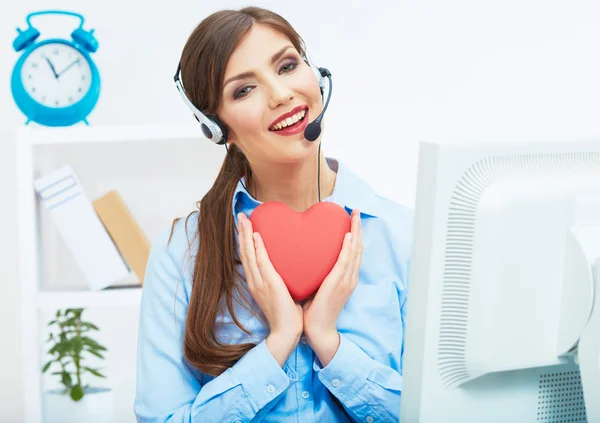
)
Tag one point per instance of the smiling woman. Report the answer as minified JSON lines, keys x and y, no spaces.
{"x":221,"y":339}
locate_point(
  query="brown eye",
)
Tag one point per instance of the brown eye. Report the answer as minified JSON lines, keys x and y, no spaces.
{"x":242,"y":92}
{"x":288,"y":67}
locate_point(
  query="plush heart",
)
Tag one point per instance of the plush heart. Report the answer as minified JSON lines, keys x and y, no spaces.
{"x":303,"y":247}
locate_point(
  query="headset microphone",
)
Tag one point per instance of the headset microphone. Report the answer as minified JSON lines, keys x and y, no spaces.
{"x":313,"y":129}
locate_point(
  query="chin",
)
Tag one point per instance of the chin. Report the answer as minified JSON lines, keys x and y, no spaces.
{"x":300,"y":151}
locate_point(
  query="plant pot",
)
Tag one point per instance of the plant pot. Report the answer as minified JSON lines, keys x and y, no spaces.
{"x":96,"y":406}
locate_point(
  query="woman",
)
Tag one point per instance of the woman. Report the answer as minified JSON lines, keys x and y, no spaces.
{"x":220,"y":338}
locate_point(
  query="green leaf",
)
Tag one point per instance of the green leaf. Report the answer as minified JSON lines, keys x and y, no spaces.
{"x":60,"y":348}
{"x":95,"y":372}
{"x":76,"y":393}
{"x":47,"y":366}
{"x":72,"y":321}
{"x":52,"y":322}
{"x":66,"y":379}
{"x":96,"y":353}
{"x":90,"y":342}
{"x":76,"y":345}
{"x":89,"y":325}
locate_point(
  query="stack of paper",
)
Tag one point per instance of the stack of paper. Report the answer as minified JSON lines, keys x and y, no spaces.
{"x":81,"y":229}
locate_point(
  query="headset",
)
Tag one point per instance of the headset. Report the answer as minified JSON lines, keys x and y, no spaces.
{"x":216,"y":131}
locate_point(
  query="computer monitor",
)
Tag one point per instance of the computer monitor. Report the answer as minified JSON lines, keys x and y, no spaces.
{"x":501,"y":322}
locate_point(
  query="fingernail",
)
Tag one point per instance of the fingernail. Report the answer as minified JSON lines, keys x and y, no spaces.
{"x":349,"y":236}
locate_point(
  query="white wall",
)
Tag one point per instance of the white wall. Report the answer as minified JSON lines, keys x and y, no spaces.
{"x":407,"y":70}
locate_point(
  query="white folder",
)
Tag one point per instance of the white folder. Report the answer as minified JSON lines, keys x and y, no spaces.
{"x":81,"y":229}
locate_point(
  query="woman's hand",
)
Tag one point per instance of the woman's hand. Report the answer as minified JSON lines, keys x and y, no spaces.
{"x":322,"y":311}
{"x":270,"y":293}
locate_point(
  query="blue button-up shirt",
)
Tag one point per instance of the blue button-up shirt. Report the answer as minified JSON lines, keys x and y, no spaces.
{"x":363,"y":381}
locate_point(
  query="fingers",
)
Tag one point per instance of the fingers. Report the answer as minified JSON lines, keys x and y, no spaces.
{"x":351,"y":275}
{"x":262,"y":256}
{"x":307,"y":304}
{"x":247,"y":253}
{"x":340,"y":267}
{"x":242,"y":245}
{"x":358,"y":250}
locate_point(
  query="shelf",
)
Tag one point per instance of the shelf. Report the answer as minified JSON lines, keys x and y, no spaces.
{"x":74,"y":299}
{"x":82,"y":134}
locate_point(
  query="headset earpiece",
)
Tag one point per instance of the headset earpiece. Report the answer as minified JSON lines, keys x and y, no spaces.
{"x":318,"y":74}
{"x":212,"y":127}
{"x":224,"y":130}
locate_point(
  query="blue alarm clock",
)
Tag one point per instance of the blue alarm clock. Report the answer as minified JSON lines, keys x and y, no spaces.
{"x":55,"y":82}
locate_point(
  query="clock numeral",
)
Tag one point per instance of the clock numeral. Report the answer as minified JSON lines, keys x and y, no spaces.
{"x":56,"y":103}
{"x":83,"y":77}
{"x":33,"y":90}
{"x":43,"y":99}
{"x":29,"y":76}
{"x":34,"y":65}
{"x":55,"y":52}
{"x":79,"y":89}
{"x":70,"y":99}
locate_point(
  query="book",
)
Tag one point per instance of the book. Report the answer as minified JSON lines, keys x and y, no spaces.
{"x":126,"y":233}
{"x":80,"y":228}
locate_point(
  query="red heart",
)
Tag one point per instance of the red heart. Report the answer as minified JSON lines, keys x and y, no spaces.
{"x":303,"y":247}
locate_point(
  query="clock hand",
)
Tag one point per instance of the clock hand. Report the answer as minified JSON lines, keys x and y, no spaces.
{"x":68,"y":67}
{"x":51,"y":67}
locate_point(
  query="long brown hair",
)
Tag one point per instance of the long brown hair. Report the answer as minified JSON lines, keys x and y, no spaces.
{"x":216,"y":280}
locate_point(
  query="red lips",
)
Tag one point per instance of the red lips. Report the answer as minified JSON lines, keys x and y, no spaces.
{"x":295,"y":110}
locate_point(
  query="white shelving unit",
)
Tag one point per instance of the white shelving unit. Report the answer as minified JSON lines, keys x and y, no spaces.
{"x":34,"y":299}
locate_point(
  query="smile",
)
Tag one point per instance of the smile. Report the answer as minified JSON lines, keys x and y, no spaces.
{"x":290,"y":122}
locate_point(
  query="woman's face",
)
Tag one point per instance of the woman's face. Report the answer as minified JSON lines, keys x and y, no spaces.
{"x":266,"y":79}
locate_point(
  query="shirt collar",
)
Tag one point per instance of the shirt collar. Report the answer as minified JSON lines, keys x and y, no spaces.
{"x":349,"y":191}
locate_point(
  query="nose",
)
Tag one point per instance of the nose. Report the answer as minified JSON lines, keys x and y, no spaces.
{"x":280,"y":94}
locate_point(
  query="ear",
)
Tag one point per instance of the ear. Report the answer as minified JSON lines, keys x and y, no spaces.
{"x":231,"y":138}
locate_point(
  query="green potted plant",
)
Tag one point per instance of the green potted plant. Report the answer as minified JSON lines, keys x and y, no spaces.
{"x":71,"y":348}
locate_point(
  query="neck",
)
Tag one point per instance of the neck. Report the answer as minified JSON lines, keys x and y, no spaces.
{"x":295,"y":185}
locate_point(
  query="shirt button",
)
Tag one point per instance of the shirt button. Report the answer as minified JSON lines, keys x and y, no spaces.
{"x":303,"y":340}
{"x":305,"y":394}
{"x":335,"y":382}
{"x":370,"y":419}
{"x":270,"y":388}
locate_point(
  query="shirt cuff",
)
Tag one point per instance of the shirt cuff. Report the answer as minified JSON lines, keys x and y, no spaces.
{"x":261,"y":375}
{"x":346,"y":374}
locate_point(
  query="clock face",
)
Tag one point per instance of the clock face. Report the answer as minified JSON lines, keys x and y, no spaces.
{"x":56,"y":75}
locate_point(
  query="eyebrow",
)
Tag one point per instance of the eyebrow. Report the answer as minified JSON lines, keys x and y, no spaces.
{"x":274,"y":58}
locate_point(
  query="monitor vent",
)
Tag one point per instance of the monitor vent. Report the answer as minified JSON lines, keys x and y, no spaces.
{"x":459,"y":244}
{"x":560,"y":398}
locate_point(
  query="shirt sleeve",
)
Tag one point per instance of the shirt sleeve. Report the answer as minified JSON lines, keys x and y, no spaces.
{"x":168,"y":389}
{"x":368,"y":389}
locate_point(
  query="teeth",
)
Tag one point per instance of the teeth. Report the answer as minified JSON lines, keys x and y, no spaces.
{"x":289,"y":121}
